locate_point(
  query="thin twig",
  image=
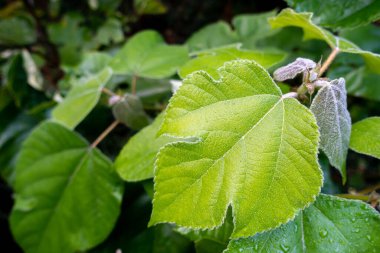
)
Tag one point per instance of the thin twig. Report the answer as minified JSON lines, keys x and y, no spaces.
{"x":370,"y":189}
{"x":134,"y":82}
{"x":329,"y":60}
{"x":108,"y":92}
{"x":105,"y":133}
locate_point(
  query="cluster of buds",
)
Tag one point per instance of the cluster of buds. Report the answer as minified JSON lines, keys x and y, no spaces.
{"x":310,"y":71}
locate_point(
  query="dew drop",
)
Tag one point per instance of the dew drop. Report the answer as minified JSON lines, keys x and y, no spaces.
{"x":369,"y":238}
{"x":323,"y":233}
{"x":353,"y":219}
{"x":366,"y":219}
{"x":356,"y":230}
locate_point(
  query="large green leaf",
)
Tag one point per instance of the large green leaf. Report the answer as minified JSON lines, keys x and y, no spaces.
{"x":147,"y":55}
{"x":330,"y":224}
{"x":81,"y":99}
{"x":330,"y":109}
{"x":346,"y":13}
{"x":257,"y":151}
{"x":67,"y":194}
{"x":365,"y":137}
{"x":288,"y":17}
{"x":211,"y":60}
{"x":136,"y":160}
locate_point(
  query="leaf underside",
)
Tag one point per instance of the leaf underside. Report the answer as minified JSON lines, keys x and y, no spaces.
{"x":330,"y":109}
{"x":256,"y":152}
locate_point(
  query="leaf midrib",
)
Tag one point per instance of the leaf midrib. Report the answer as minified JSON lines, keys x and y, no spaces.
{"x":59,"y":201}
{"x":179,"y":194}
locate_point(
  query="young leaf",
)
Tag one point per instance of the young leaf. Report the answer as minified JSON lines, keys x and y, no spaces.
{"x":211,"y":60}
{"x":136,"y":160}
{"x":365,"y":137}
{"x":67,"y":195}
{"x":81,"y":99}
{"x":330,"y":109}
{"x":330,"y":224}
{"x":290,"y":71}
{"x":256,"y":152}
{"x":147,"y":55}
{"x":347,"y":13}
{"x":130,"y":111}
{"x":288,"y":17}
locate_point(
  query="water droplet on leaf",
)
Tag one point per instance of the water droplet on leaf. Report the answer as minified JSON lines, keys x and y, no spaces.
{"x":323,"y":233}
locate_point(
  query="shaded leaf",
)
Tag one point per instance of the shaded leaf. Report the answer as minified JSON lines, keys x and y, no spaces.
{"x":147,"y":55}
{"x":330,"y":224}
{"x":67,"y":195}
{"x":252,"y":146}
{"x":365,"y":137}
{"x":16,"y":31}
{"x":348,"y":13}
{"x":211,"y":36}
{"x":81,"y":99}
{"x":211,"y":60}
{"x":129,"y":110}
{"x":362,"y":83}
{"x":110,"y":32}
{"x":136,"y":160}
{"x":330,"y":109}
{"x":150,"y":7}
{"x":288,"y":17}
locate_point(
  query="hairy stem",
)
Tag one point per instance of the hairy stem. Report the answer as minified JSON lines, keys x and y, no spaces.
{"x":329,"y":60}
{"x":105,"y":133}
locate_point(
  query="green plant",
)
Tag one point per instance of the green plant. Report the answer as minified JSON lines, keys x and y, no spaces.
{"x":234,"y":162}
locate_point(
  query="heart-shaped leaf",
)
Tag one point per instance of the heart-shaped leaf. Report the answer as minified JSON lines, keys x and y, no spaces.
{"x":67,"y":194}
{"x":330,"y":224}
{"x":257,"y":152}
{"x":330,"y":109}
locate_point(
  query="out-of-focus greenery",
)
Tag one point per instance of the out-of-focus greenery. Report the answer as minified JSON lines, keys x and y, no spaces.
{"x":69,"y":69}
